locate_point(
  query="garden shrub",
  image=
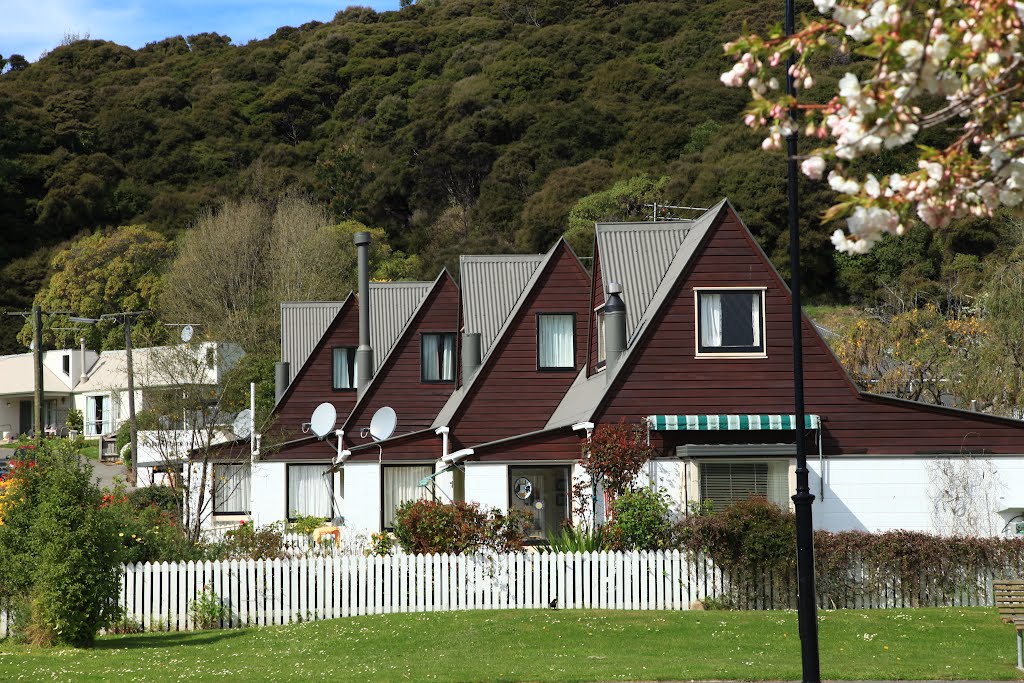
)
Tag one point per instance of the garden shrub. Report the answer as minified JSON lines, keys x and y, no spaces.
{"x":427,"y":526}
{"x":206,"y":610}
{"x":306,"y":524}
{"x":75,"y":420}
{"x":164,"y":498}
{"x":247,"y":542}
{"x":581,"y":539}
{"x":752,"y":532}
{"x":640,"y":521}
{"x":615,"y":454}
{"x":59,"y":551}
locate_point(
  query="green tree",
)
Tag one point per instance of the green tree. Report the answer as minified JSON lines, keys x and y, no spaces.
{"x":106,"y":272}
{"x":59,"y":549}
{"x":623,"y":201}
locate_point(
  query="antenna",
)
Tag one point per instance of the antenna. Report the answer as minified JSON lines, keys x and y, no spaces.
{"x":383,"y":423}
{"x":242,"y":426}
{"x":322,"y":422}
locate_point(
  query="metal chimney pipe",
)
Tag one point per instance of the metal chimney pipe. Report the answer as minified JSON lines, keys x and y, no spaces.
{"x":614,"y":328}
{"x":83,"y":375}
{"x":281,"y":371}
{"x":470,"y":355}
{"x":364,"y":354}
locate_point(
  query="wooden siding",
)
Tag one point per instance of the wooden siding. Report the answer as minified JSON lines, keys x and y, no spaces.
{"x":313,"y":383}
{"x":561,"y":445}
{"x":415,"y":402}
{"x":664,"y":376}
{"x":421,"y":447}
{"x":511,"y":396}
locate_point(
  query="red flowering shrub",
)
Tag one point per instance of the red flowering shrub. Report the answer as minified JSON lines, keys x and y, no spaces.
{"x":427,"y":526}
{"x":615,"y":455}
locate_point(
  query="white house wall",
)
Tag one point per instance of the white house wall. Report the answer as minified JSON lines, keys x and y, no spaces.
{"x":269,"y":495}
{"x":883,"y":494}
{"x":487,"y":484}
{"x":362,"y":482}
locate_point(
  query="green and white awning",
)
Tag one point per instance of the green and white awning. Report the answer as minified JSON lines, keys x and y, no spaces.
{"x":729,"y":422}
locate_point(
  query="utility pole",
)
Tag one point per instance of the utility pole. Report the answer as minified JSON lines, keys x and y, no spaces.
{"x":36,"y":316}
{"x":37,"y":361}
{"x":126,"y":318}
{"x":131,"y":397}
{"x":802,"y":501}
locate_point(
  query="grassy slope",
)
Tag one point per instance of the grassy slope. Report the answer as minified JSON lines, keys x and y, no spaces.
{"x":548,"y":646}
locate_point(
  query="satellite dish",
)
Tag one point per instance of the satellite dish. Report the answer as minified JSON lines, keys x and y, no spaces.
{"x":242,"y":426}
{"x":383,"y":423}
{"x":186,"y":334}
{"x":323,"y":419}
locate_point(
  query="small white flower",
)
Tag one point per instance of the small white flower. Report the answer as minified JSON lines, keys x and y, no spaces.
{"x":824,"y":6}
{"x":911,"y":50}
{"x":849,"y":86}
{"x":813,"y":167}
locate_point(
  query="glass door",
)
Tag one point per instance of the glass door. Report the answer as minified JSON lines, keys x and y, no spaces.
{"x":543,"y":492}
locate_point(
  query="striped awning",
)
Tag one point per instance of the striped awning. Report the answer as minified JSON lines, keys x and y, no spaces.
{"x":729,"y":422}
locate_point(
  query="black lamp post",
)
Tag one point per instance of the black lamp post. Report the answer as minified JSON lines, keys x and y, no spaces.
{"x":806,"y":609}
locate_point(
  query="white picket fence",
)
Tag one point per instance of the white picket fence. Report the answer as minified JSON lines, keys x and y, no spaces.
{"x":260,"y":592}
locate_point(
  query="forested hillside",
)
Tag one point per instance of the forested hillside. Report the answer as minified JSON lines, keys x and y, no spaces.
{"x":452,"y":125}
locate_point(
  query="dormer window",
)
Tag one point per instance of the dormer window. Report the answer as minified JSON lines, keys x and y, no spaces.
{"x":730,"y":322}
{"x":602,"y":353}
{"x":343,"y":368}
{"x":556,"y":341}
{"x":66,"y":360}
{"x":437,"y":357}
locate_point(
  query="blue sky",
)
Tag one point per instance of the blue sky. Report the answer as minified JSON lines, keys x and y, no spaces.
{"x":32,"y":27}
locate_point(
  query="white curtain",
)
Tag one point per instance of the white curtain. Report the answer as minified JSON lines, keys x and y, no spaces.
{"x":755,"y":317}
{"x":439,"y":357}
{"x":402,"y":483}
{"x":431,"y":371}
{"x":710,"y":320}
{"x":556,"y":341}
{"x":342,"y":378}
{"x":231,"y":484}
{"x":309,"y":490}
{"x":448,"y":357}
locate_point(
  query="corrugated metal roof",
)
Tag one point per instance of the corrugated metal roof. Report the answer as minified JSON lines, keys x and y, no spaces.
{"x":459,"y":395}
{"x":491,"y":286}
{"x":404,"y":297}
{"x":636,"y":255}
{"x":392,"y":304}
{"x":303,"y":323}
{"x":585,"y":395}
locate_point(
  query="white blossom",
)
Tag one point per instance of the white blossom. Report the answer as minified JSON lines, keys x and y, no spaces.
{"x":813,"y":167}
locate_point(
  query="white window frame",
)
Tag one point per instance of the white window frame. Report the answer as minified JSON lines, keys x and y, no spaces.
{"x":247,"y":468}
{"x":763,"y":353}
{"x":601,"y":350}
{"x":572,"y":351}
{"x":452,"y":370}
{"x":695,"y":482}
{"x":427,"y":493}
{"x":327,"y":482}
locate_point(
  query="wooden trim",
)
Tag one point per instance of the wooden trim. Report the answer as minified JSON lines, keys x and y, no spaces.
{"x":698,"y":353}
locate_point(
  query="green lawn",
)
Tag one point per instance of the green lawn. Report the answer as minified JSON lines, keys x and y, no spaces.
{"x":531,"y":645}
